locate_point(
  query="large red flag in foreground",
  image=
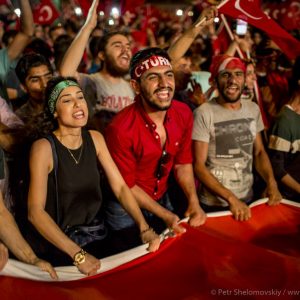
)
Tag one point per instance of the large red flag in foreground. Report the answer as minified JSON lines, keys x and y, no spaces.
{"x":249,"y":11}
{"x":257,"y":259}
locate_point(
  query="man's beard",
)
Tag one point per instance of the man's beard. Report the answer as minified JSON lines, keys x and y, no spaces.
{"x":226,"y":98}
{"x":113,"y":69}
{"x":153,"y":105}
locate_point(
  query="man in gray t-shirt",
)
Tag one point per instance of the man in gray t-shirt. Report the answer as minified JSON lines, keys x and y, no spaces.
{"x":227,"y":138}
{"x":107,"y":90}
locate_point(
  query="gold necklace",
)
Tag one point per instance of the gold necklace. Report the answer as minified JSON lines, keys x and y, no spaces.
{"x":76,"y":160}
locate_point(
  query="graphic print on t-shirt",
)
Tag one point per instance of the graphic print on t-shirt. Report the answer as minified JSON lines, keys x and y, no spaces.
{"x":234,"y":138}
{"x":233,"y":154}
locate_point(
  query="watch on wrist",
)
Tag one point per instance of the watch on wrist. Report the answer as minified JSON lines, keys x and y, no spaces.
{"x":79,"y":257}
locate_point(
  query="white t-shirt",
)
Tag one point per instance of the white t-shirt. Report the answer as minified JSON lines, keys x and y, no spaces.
{"x":109,"y":96}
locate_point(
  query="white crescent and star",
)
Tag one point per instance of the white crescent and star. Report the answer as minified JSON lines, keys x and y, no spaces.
{"x":238,"y":7}
{"x":48,"y":11}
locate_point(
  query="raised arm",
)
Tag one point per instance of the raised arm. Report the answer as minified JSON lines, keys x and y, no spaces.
{"x":23,"y":37}
{"x":75,"y":52}
{"x":178,"y":49}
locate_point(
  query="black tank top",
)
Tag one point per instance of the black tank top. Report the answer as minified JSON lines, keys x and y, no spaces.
{"x":79,"y":189}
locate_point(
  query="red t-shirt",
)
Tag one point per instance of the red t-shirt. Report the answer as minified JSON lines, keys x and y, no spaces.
{"x":136,"y":148}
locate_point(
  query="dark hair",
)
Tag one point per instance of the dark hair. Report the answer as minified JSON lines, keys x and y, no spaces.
{"x":28,"y":61}
{"x":295,"y":78}
{"x":54,"y":26}
{"x":106,"y":37}
{"x":94,"y":45}
{"x":7,"y":35}
{"x":44,"y":123}
{"x":51,"y":85}
{"x":143,"y":54}
{"x":39,"y":46}
{"x":60,"y":47}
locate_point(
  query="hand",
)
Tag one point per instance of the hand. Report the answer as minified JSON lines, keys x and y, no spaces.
{"x":240,"y":210}
{"x":172,"y":222}
{"x":45,"y":266}
{"x":209,"y":14}
{"x":196,"y":95}
{"x":196,"y":214}
{"x":3,"y":256}
{"x":92,"y":17}
{"x":90,"y":265}
{"x":150,"y":236}
{"x":244,"y":43}
{"x":273,"y":194}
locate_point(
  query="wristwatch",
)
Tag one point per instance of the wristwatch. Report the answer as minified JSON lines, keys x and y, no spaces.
{"x":79,"y":257}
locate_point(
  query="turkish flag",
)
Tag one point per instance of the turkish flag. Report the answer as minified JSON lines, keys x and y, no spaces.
{"x":247,"y":260}
{"x":249,"y":11}
{"x":45,"y":13}
{"x":222,"y":40}
{"x":290,"y":16}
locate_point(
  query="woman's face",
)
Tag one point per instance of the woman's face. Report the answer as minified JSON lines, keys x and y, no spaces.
{"x":71,"y":108}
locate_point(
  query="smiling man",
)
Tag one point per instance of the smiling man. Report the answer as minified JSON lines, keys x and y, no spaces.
{"x":149,"y":140}
{"x":226,"y":137}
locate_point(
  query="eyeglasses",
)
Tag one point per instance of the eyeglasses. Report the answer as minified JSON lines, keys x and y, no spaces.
{"x":161,"y":168}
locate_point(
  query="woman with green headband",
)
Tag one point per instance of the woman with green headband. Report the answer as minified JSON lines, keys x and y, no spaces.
{"x":65,"y":191}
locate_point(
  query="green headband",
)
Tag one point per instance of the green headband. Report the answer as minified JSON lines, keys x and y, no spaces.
{"x":56,"y":92}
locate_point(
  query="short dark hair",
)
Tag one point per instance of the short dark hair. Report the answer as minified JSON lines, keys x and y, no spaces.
{"x":143,"y":54}
{"x":106,"y":37}
{"x":28,"y":61}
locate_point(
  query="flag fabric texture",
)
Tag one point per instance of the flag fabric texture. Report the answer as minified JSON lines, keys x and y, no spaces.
{"x":257,"y":259}
{"x":221,"y":41}
{"x":45,"y":13}
{"x":286,"y":13}
{"x":250,"y":11}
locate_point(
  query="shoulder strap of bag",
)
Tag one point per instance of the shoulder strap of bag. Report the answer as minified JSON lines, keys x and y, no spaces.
{"x":55,"y":166}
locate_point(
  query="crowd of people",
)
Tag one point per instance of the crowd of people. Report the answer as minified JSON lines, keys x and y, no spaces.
{"x":106,"y":141}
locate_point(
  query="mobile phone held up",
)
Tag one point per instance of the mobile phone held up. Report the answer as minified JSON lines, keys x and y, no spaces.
{"x":241,"y":27}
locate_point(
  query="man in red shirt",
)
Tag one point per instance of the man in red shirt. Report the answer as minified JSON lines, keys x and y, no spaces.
{"x":149,"y":140}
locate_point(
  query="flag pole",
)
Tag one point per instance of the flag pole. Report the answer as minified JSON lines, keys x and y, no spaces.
{"x":204,"y":19}
{"x":239,"y":51}
{"x":230,"y":33}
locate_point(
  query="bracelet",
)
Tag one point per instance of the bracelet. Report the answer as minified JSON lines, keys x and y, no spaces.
{"x":150,"y":229}
{"x":79,"y":258}
{"x":144,"y":231}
